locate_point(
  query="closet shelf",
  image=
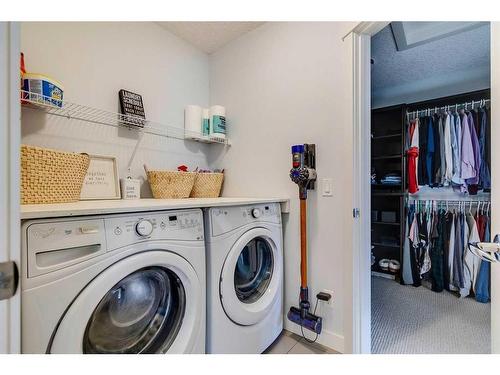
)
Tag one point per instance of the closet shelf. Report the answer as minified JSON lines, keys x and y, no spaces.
{"x":379,"y":244}
{"x":385,"y":223}
{"x":81,"y":112}
{"x":387,"y":136}
{"x":398,"y":156}
{"x":387,"y":194}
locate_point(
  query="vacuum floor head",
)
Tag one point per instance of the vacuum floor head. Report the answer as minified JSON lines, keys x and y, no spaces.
{"x":310,"y":321}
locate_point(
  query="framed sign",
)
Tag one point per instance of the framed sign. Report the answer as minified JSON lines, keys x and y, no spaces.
{"x":101,"y":180}
{"x":131,"y":105}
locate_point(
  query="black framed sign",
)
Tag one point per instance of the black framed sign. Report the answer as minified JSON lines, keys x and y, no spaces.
{"x":131,"y":105}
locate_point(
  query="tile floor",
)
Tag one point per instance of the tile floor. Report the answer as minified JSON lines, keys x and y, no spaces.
{"x":290,"y":343}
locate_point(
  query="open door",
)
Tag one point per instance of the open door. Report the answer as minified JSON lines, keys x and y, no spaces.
{"x":361,"y":302}
{"x":10,"y":309}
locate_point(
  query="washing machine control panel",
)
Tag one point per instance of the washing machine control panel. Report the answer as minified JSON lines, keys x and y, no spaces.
{"x":225,"y":219}
{"x":168,"y":225}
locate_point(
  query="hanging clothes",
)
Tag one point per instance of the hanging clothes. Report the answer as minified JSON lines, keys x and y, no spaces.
{"x":430,"y":152}
{"x":472,"y":183}
{"x":484,"y":172}
{"x":442,"y":152}
{"x":472,"y":262}
{"x":436,"y":163}
{"x":453,"y":150}
{"x":422,"y":176}
{"x":406,"y":266}
{"x":436,"y":249}
{"x":412,"y":154}
{"x":457,"y":180}
{"x":451,"y":251}
{"x":483,"y":279}
{"x":467,"y":154}
{"x":448,"y":174}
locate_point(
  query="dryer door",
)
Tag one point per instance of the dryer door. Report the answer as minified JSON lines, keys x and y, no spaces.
{"x":150,"y":302}
{"x":251,"y":277}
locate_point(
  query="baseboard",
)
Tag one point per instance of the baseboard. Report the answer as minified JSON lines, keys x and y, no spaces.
{"x":327,"y":338}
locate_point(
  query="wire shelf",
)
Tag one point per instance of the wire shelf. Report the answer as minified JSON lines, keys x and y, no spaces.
{"x":75,"y":111}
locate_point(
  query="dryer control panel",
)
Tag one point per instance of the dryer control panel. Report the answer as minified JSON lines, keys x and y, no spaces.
{"x":176,"y":225}
{"x":225,"y":219}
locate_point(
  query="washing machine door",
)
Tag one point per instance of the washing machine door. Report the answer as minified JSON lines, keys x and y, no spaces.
{"x":150,"y":302}
{"x":251,"y":277}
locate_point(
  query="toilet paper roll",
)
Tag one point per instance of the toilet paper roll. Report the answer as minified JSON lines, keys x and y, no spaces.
{"x":205,"y":126}
{"x":192,"y":121}
{"x":217,"y":121}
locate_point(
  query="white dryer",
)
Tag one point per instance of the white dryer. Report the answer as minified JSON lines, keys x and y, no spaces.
{"x":130,"y":283}
{"x":244,"y":277}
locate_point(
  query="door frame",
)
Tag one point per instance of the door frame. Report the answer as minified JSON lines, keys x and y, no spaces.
{"x":361,"y":259}
{"x":10,"y":140}
{"x":361,"y":299}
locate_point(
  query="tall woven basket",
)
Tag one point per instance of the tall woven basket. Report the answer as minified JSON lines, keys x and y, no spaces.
{"x":50,"y":176}
{"x":170,"y":184}
{"x":207,"y":185}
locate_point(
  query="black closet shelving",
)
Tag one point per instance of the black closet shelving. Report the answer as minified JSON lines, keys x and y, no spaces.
{"x":387,"y":155}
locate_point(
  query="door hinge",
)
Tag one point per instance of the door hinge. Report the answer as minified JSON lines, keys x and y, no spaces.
{"x":355,"y":213}
{"x":8,"y":280}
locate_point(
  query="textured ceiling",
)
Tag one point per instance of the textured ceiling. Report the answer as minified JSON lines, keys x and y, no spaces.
{"x":396,"y":75}
{"x":209,"y":36}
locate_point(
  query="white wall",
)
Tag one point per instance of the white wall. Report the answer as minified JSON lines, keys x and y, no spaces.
{"x":283,"y":84}
{"x":93,"y":61}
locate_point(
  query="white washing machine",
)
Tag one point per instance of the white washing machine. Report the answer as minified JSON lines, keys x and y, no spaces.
{"x":131,"y":283}
{"x":244,"y":277}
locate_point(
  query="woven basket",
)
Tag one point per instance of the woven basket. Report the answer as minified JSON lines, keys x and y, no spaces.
{"x":207,"y":185}
{"x":171,"y":184}
{"x":50,"y":176}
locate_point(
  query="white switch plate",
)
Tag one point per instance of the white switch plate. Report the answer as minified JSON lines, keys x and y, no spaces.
{"x":327,"y":187}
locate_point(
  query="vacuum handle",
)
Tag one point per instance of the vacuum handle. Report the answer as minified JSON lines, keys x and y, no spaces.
{"x":303,"y":243}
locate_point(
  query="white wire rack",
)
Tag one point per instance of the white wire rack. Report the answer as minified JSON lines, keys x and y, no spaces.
{"x":455,"y":107}
{"x":81,"y":112}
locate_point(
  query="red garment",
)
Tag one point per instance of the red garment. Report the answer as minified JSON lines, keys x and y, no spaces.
{"x":481,"y":226}
{"x":412,"y":169}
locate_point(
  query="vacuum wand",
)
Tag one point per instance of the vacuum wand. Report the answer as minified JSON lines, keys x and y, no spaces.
{"x":303,"y":173}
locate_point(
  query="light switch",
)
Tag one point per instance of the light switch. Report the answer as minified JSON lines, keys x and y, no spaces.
{"x":327,"y":187}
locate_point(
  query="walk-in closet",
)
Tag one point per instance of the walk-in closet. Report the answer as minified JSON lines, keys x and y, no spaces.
{"x":430,"y":184}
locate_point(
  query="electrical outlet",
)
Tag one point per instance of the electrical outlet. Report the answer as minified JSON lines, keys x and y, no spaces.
{"x":330,"y":292}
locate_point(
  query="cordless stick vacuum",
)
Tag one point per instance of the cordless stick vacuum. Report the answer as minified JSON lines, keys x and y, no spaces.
{"x":303,"y":173}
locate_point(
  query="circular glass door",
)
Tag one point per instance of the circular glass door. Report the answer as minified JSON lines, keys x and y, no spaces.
{"x":251,"y":277}
{"x":142,"y":313}
{"x":148,"y":302}
{"x":254,"y":270}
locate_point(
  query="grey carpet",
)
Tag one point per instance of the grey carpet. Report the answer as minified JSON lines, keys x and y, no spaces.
{"x":409,"y":320}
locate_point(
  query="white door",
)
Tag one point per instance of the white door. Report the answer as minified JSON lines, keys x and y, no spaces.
{"x":251,"y":277}
{"x":150,"y":302}
{"x":10,"y":124}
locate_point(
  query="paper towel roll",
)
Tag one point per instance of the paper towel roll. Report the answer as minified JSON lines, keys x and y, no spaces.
{"x":192,"y":121}
{"x":205,"y":126}
{"x":217,"y":121}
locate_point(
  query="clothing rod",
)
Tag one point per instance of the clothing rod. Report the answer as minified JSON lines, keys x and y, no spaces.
{"x":448,"y":107}
{"x":450,"y":200}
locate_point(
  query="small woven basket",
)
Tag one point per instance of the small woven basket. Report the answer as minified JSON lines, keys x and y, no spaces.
{"x":50,"y":176}
{"x":170,"y":184}
{"x":207,"y":185}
